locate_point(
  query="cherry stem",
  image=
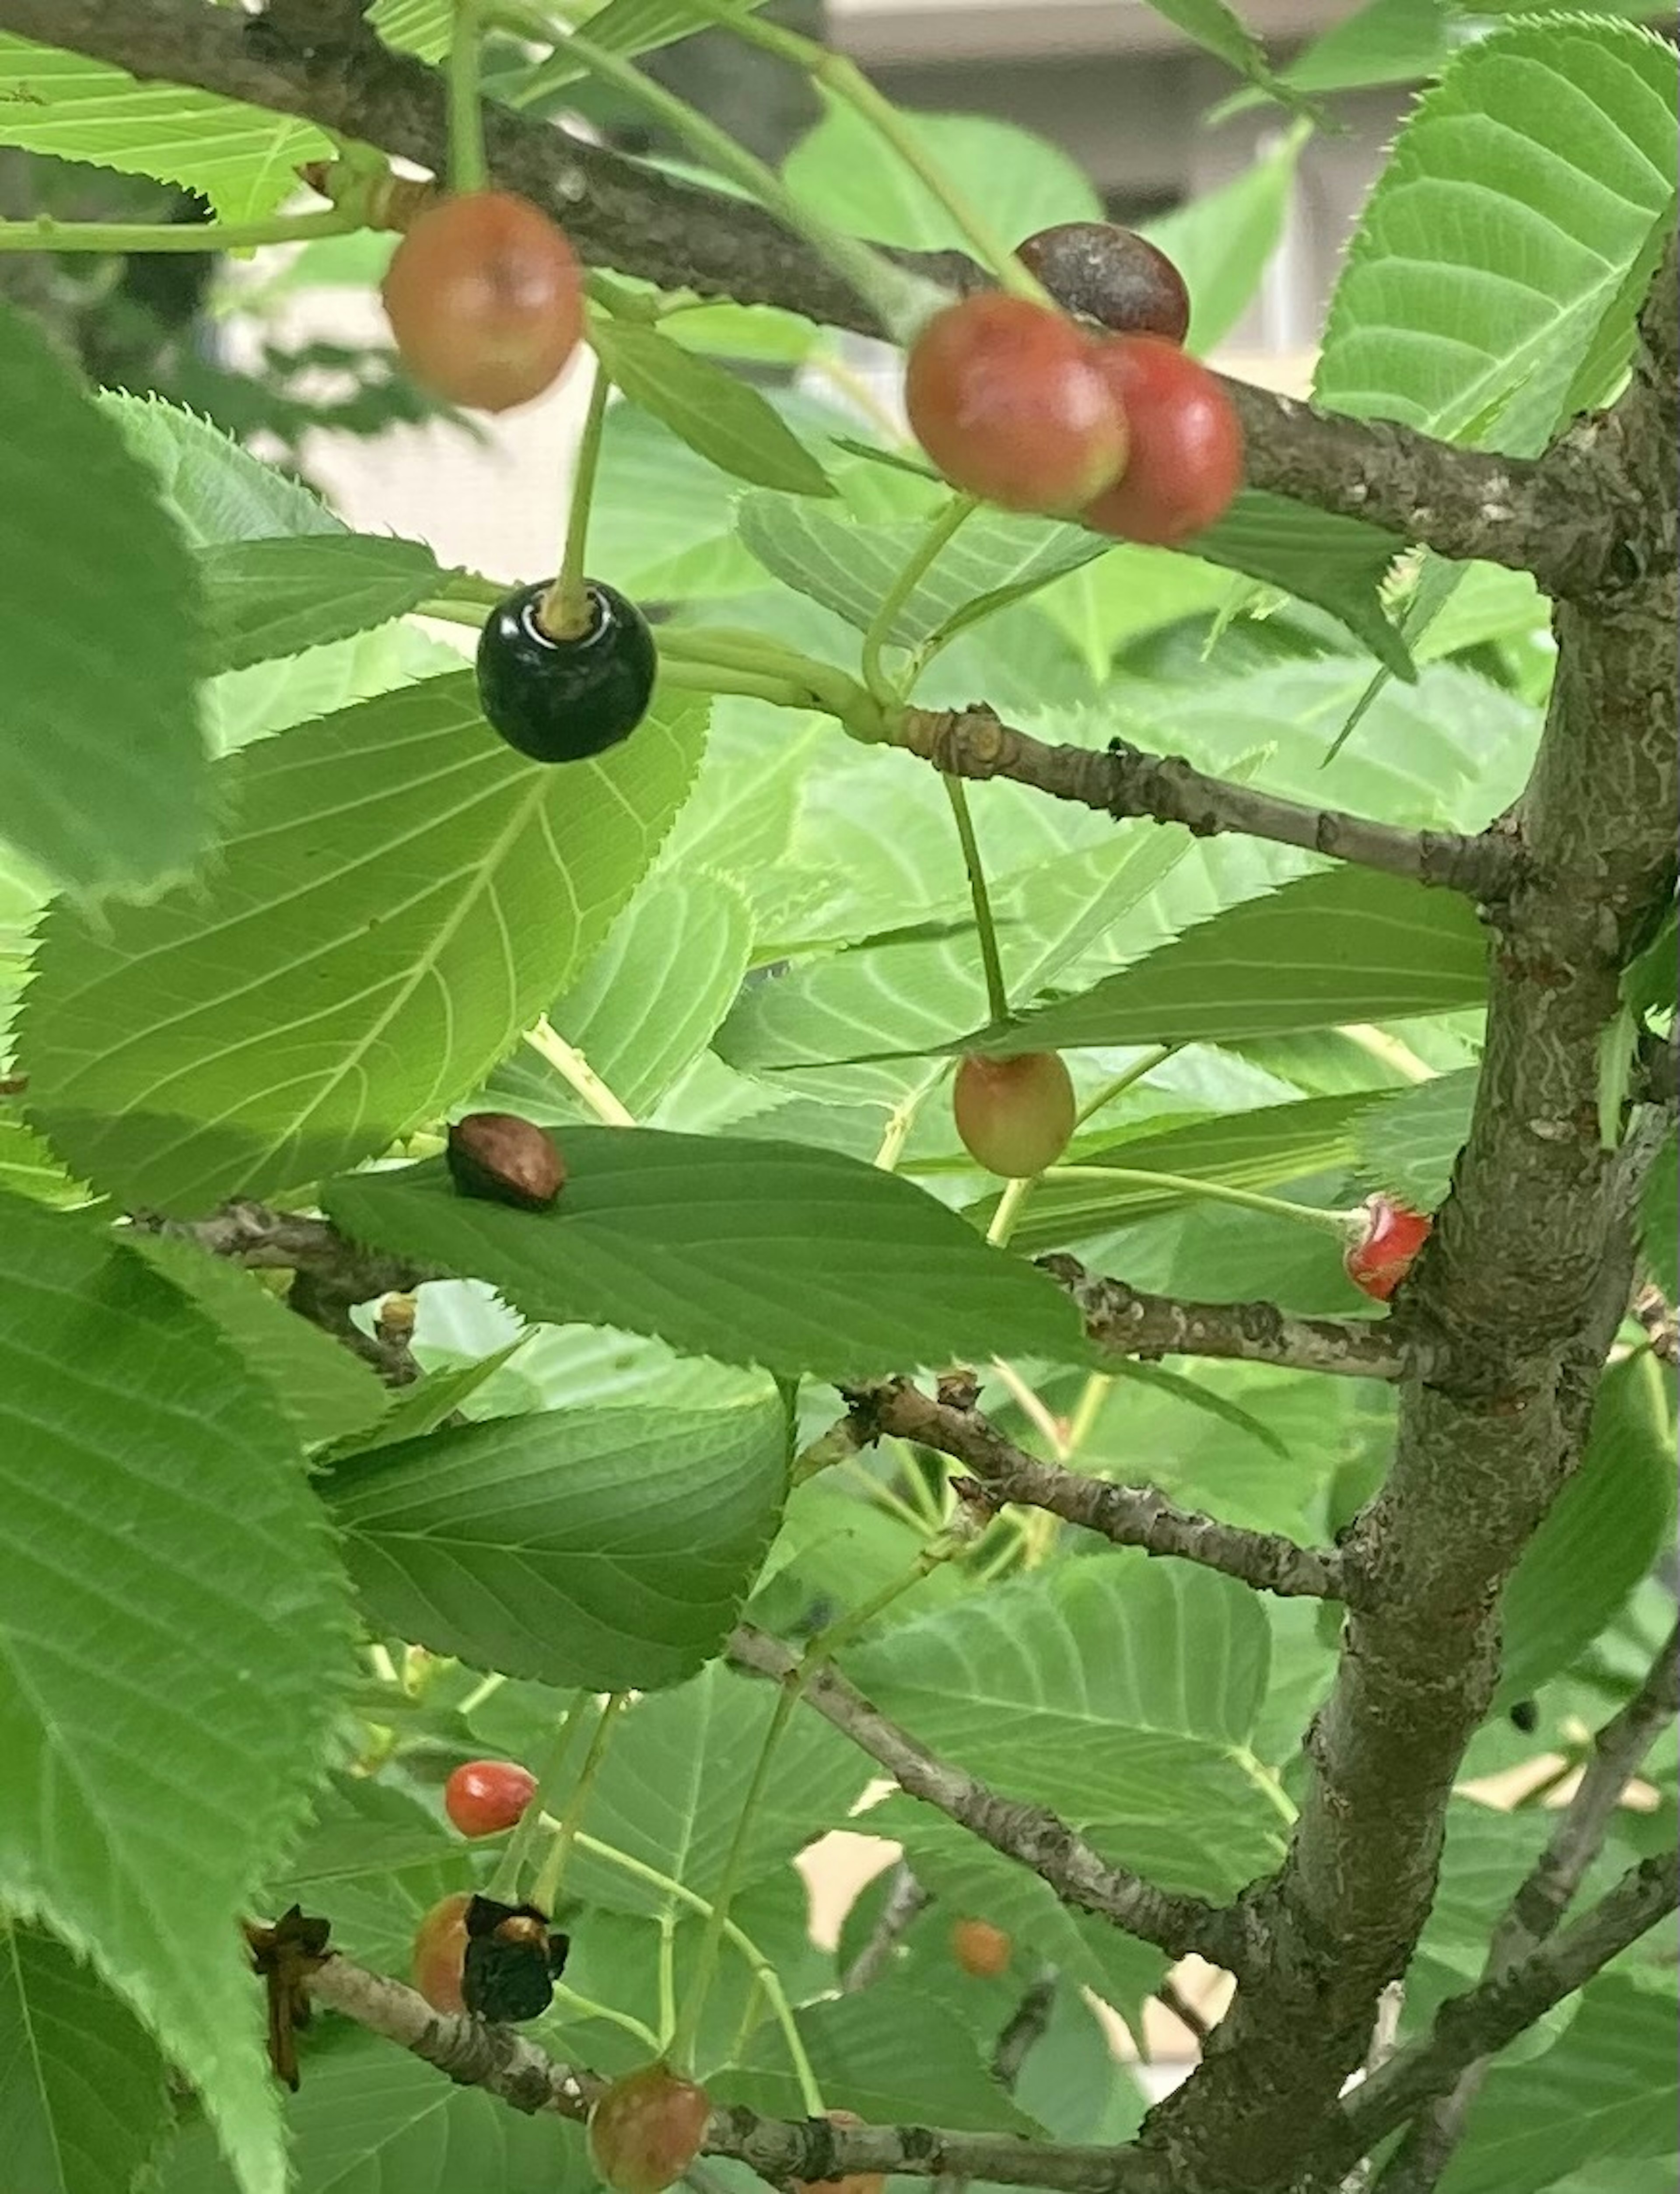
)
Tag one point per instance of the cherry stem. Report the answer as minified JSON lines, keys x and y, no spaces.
{"x":504,"y":1882}
{"x":940,"y":530}
{"x":547,"y":1886}
{"x":48,"y":235}
{"x":997,"y":997}
{"x":576,"y":1071}
{"x":468,"y":168}
{"x":899,"y":299}
{"x":565,"y":612}
{"x":1341,"y":1224}
{"x":1006,"y":1216}
{"x":1157,"y":1055}
{"x":840,"y":75}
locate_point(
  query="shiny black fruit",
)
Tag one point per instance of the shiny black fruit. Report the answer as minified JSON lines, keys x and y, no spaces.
{"x":561,"y":700}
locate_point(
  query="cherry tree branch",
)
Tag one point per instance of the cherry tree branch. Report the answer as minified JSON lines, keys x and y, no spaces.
{"x":1121,"y":781}
{"x":1129,"y":1515}
{"x":1126,"y":1322}
{"x":521,"y":2073}
{"x":1039,"y":1839}
{"x":1564,"y":517}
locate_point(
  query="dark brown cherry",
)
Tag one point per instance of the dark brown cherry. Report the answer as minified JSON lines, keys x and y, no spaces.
{"x":500,"y":1159}
{"x":1186,"y":462}
{"x":1015,"y":1115}
{"x":1110,"y":275}
{"x":484,"y":296}
{"x":1004,"y":396}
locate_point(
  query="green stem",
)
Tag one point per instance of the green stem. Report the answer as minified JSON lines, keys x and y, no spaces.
{"x":563,"y":610}
{"x":576,"y":1071}
{"x":690,"y":677}
{"x":840,"y":75}
{"x":668,"y":1976}
{"x":586,"y":2008}
{"x":48,"y":235}
{"x":1338,"y":1223}
{"x":547,"y":1886}
{"x":940,"y":529}
{"x":1087,"y":1411}
{"x":1157,"y":1055}
{"x":899,"y":300}
{"x":468,"y":168}
{"x":1013,"y":1202}
{"x":504,"y":1883}
{"x":1007,"y":1215}
{"x":997,"y":997}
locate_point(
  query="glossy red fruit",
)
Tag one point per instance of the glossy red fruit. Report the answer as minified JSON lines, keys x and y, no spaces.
{"x":486,"y":299}
{"x":1186,"y":462}
{"x":646,"y":2129}
{"x":1015,"y":1115}
{"x":1379,"y":1258}
{"x":440,"y":1952}
{"x":860,"y":2182}
{"x":485,"y":1796}
{"x":980,"y":1949}
{"x":1111,"y":275}
{"x":1006,"y":398}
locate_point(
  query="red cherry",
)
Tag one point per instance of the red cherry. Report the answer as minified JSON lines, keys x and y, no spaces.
{"x":1003,"y":395}
{"x":487,"y":1795}
{"x":646,"y":2129}
{"x":980,"y":1949}
{"x":1380,"y":1256}
{"x":1186,"y":460}
{"x":1111,"y":275}
{"x":440,"y":1952}
{"x":1015,"y":1115}
{"x":486,"y":299}
{"x":860,"y":2182}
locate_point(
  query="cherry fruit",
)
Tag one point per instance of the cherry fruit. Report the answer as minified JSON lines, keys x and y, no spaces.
{"x":1015,"y":1115}
{"x":562,"y":700}
{"x":1186,"y":462}
{"x":646,"y":2129}
{"x":980,"y":1949}
{"x":859,"y":2182}
{"x":1110,"y":275}
{"x":440,"y":1952}
{"x":511,"y":1960}
{"x":1005,"y":396}
{"x":484,"y":1796}
{"x":500,"y":1159}
{"x":486,"y":299}
{"x":1379,"y":1255}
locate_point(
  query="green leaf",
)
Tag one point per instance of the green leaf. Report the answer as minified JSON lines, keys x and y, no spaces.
{"x":173,"y":1639}
{"x":1607,"y":2089}
{"x":843,"y":170}
{"x":276,"y":598}
{"x":1338,"y":564}
{"x":713,"y":411}
{"x":104,"y":777}
{"x":1119,"y":1689}
{"x":421,"y":27}
{"x":1657,"y":1237}
{"x":83,"y":2095}
{"x":1408,"y":1145}
{"x":764,"y":1253}
{"x":994,"y":559}
{"x":609,"y":1548}
{"x":1603,"y":1534}
{"x":216,"y":491}
{"x":325,"y":1391}
{"x":1222,"y":241}
{"x":243,"y":159}
{"x":377,"y":1861}
{"x":878,"y":2054}
{"x":623,"y":26}
{"x":399,"y":896}
{"x":663,"y":525}
{"x":1256,"y":1149}
{"x":668,"y":971}
{"x":1385,"y":41}
{"x":1521,"y":191}
{"x":371,"y":2119}
{"x":1339,"y":945}
{"x":1218,"y":30}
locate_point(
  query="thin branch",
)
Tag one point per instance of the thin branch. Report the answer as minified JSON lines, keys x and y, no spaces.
{"x":1562,"y":517}
{"x":1121,"y":780}
{"x":1129,"y":1515}
{"x":906,"y":1899}
{"x":1544,"y":1896}
{"x":1126,"y":1322}
{"x":521,"y":2073}
{"x":1170,"y":1997}
{"x":1489,"y":2016}
{"x":1039,"y":1839}
{"x":1024,"y":2029}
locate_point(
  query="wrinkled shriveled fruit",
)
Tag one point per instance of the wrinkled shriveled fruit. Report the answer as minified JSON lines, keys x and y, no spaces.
{"x":1379,"y":1257}
{"x":1112,"y":275}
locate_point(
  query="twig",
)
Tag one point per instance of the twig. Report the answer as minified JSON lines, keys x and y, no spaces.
{"x":1039,"y":1839}
{"x":1129,"y":1515}
{"x":1121,"y":780}
{"x":1544,"y":1896}
{"x":1126,"y":1322}
{"x":1024,"y":2029}
{"x":1170,"y":1997}
{"x":905,"y":1899}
